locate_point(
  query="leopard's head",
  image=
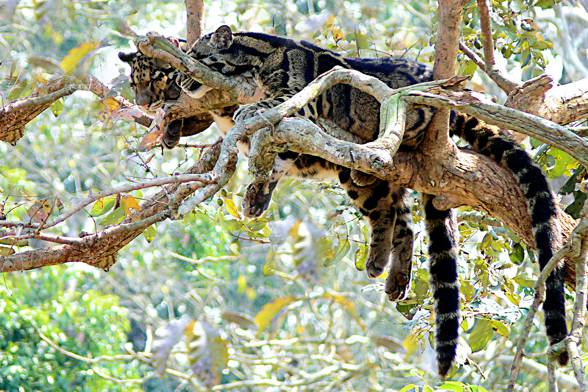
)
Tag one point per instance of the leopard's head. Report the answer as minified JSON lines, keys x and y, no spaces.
{"x":230,"y":54}
{"x":153,"y":81}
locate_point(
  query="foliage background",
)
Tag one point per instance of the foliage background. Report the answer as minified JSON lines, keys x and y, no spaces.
{"x":216,"y":299}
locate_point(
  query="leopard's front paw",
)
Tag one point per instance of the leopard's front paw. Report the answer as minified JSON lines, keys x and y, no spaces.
{"x":257,"y":199}
{"x":172,"y":133}
{"x":376,"y":262}
{"x":397,"y":285}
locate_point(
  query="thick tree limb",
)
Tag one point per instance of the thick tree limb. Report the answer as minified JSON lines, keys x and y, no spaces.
{"x":504,"y":117}
{"x":463,"y":178}
{"x":194,"y":20}
{"x":448,"y":32}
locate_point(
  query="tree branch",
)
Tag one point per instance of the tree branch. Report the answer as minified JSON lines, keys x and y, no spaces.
{"x":194,"y":20}
{"x":437,"y":140}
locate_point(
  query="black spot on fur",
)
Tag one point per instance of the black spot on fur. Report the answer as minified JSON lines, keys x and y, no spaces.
{"x":344,"y":175}
{"x":378,"y":192}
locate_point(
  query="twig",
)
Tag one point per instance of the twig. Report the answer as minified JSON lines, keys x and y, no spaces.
{"x":574,"y":338}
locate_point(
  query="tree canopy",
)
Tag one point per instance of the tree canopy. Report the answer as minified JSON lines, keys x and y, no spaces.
{"x":129,"y":267}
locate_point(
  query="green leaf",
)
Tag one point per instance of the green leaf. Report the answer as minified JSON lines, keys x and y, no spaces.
{"x":361,"y":257}
{"x":57,"y":107}
{"x":102,"y":206}
{"x":409,"y":388}
{"x":481,"y":335}
{"x":501,"y":328}
{"x":518,"y":253}
{"x":454,"y":386}
{"x":75,"y":55}
{"x":115,"y":217}
{"x":6,"y":251}
{"x":150,"y":233}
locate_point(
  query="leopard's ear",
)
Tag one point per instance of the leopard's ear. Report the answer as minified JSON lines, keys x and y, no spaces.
{"x":222,"y":38}
{"x":127,"y":57}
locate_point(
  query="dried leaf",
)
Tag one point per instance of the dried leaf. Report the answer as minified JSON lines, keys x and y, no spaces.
{"x":151,"y":139}
{"x":39,"y":211}
{"x":130,"y":204}
{"x":111,"y":105}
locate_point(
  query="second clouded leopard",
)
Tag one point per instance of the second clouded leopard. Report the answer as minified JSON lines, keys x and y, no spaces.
{"x":283,"y":67}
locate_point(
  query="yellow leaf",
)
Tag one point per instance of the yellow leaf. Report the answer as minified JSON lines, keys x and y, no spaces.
{"x":130,"y":204}
{"x":111,"y":105}
{"x":232,"y":208}
{"x":269,"y":311}
{"x":411,"y":343}
{"x":75,"y":55}
{"x":294,"y":230}
{"x":337,"y":34}
{"x":6,"y":251}
{"x":250,"y":293}
{"x":241,"y":284}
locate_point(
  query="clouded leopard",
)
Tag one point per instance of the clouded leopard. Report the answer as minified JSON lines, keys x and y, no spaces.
{"x":283,"y":67}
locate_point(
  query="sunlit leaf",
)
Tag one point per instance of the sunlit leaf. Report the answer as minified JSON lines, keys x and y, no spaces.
{"x":150,"y":233}
{"x":241,"y":284}
{"x":102,"y":206}
{"x":111,"y":105}
{"x":454,"y":386}
{"x":231,"y":208}
{"x":75,"y":55}
{"x":57,"y":107}
{"x":130,"y":204}
{"x":361,"y":257}
{"x":6,"y":251}
{"x":481,"y":335}
{"x":411,"y":343}
{"x":269,"y":311}
{"x":501,"y":328}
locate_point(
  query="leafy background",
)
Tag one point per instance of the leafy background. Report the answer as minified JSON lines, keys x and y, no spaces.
{"x":275,"y":303}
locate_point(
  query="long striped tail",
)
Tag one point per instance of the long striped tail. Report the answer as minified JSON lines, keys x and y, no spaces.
{"x":541,"y":207}
{"x":443,"y":269}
